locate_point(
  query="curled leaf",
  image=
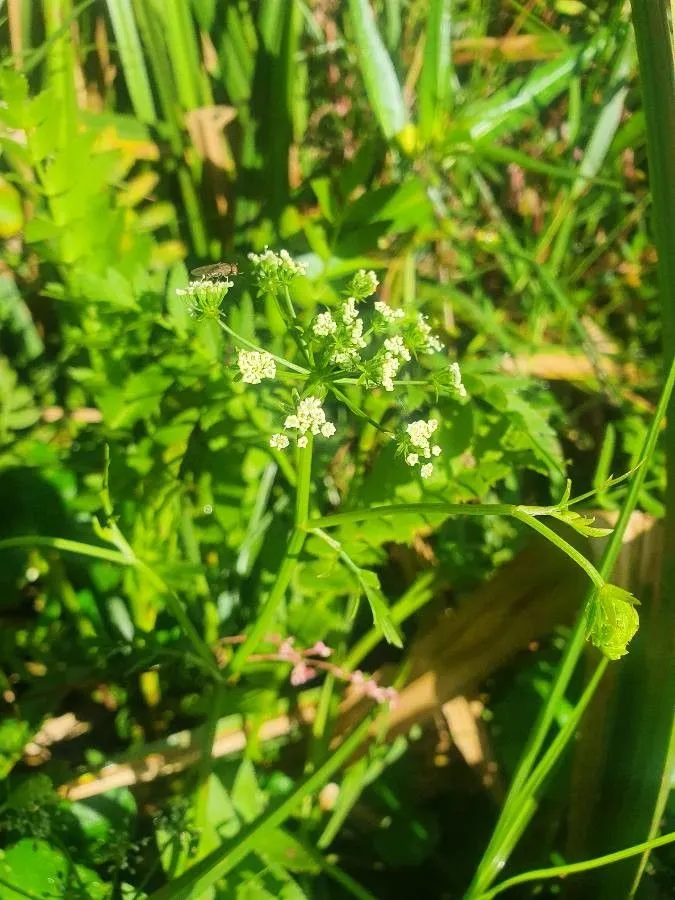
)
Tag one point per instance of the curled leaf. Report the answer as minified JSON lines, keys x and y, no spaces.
{"x":612,"y":620}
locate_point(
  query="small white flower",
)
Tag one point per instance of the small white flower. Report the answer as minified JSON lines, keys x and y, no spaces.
{"x":456,"y":379}
{"x":412,"y":459}
{"x":324,"y":325}
{"x":345,"y":356}
{"x":390,"y":368}
{"x":419,"y":433}
{"x":433,"y":343}
{"x":396,"y":347}
{"x":254,"y":366}
{"x":309,"y":417}
{"x":205,"y":296}
{"x":356,"y":333}
{"x":279,"y":441}
{"x":275,"y":270}
{"x":387,"y":312}
{"x":349,"y":312}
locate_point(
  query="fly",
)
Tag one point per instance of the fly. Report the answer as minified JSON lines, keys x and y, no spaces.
{"x":216,"y":270}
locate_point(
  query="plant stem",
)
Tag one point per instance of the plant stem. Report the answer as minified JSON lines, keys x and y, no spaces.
{"x":293,"y":550}
{"x":251,"y":346}
{"x":584,"y":866}
{"x":225,"y":858}
{"x":523,"y":515}
{"x":502,"y":840}
{"x":549,"y":534}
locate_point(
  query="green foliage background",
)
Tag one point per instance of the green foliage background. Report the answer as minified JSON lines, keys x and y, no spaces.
{"x":489,"y":162}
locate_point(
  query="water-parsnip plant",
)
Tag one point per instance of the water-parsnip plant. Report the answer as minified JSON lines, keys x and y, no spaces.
{"x":366,"y":343}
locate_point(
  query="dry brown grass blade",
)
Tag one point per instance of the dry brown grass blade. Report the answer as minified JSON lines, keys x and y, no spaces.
{"x":514,"y":48}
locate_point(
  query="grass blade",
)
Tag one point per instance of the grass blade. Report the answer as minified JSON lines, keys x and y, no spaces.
{"x":509,"y":108}
{"x":644,"y":756}
{"x":224,"y":859}
{"x":133,"y":61}
{"x":379,"y":76}
{"x":434,"y":90}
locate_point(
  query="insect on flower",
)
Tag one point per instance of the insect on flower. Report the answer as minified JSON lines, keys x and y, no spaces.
{"x":216,"y":270}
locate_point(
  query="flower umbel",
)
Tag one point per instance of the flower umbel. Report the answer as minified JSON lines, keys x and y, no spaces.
{"x":275,"y":270}
{"x":417,"y":445}
{"x":205,"y":296}
{"x":254,"y":366}
{"x":309,"y":418}
{"x":363,"y":284}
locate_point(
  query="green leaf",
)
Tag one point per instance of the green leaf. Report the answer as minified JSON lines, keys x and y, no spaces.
{"x":378,"y":606}
{"x":36,"y":867}
{"x":379,"y":76}
{"x":612,"y":620}
{"x":11,"y":210}
{"x":248,"y":799}
{"x":434,"y":89}
{"x":582,"y":524}
{"x":508,"y":109}
{"x":133,"y":60}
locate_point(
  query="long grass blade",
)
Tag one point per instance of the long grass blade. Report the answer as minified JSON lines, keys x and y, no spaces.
{"x":224,"y":859}
{"x":434,"y":89}
{"x":133,"y":61}
{"x":379,"y":76}
{"x":643,"y":756}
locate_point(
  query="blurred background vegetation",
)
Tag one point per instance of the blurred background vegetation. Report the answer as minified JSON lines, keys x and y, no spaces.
{"x":489,"y":161}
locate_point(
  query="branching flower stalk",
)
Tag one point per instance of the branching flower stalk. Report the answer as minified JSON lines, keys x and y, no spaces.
{"x":372,"y":348}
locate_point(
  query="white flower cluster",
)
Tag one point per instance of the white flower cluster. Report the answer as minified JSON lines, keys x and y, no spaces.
{"x":309,"y":417}
{"x":204,"y":296}
{"x":254,"y":366}
{"x":275,"y":270}
{"x":324,"y":325}
{"x":456,"y":379}
{"x":419,"y":434}
{"x":387,"y":312}
{"x":396,"y":353}
{"x":351,"y":339}
{"x":432,"y":341}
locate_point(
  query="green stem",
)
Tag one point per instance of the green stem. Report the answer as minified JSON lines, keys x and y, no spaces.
{"x":67,"y":546}
{"x":293,"y":550}
{"x":251,"y":346}
{"x":523,"y":515}
{"x":584,"y":866}
{"x":224,"y":859}
{"x":554,"y":538}
{"x":501,"y":842}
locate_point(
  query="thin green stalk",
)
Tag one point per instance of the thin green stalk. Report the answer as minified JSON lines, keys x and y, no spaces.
{"x":550,"y":535}
{"x":496,"y":852}
{"x":294,"y":549}
{"x":575,"y":868}
{"x":523,"y":514}
{"x":68,"y":546}
{"x":251,"y":346}
{"x":224,"y":859}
